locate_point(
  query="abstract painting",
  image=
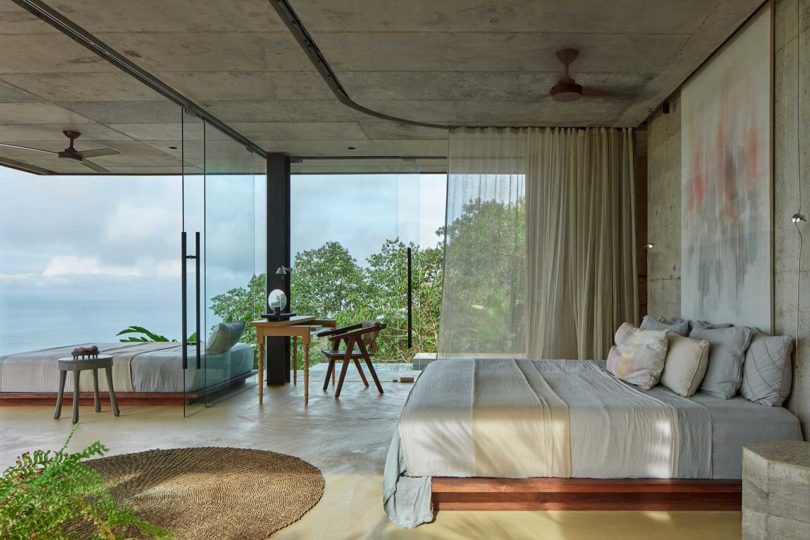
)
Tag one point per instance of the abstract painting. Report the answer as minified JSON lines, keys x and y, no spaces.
{"x":726,"y":183}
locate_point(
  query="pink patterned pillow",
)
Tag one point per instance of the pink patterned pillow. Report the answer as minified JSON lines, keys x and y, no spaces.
{"x":625,"y":331}
{"x":639,"y":358}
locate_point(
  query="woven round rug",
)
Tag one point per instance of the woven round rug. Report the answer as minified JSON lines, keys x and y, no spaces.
{"x":213,"y":492}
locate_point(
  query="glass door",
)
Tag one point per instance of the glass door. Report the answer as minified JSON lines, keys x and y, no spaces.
{"x":193,"y":263}
{"x":233,"y":289}
{"x":223,"y":290}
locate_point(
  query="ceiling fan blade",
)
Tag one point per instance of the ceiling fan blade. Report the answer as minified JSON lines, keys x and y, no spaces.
{"x":28,"y":148}
{"x":98,"y":152}
{"x":590,"y":91}
{"x":95,"y":166}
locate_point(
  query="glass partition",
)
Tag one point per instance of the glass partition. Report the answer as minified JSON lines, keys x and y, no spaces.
{"x":223,"y":288}
{"x":353,"y":237}
{"x":232,"y":288}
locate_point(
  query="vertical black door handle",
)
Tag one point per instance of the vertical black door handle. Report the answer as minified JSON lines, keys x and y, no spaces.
{"x":183,"y":285}
{"x":197,"y":257}
{"x":184,"y":299}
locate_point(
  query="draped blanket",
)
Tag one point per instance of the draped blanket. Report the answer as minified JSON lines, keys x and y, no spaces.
{"x":485,"y":418}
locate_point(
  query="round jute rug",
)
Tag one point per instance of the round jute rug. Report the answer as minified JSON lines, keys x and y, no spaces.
{"x":214,"y":492}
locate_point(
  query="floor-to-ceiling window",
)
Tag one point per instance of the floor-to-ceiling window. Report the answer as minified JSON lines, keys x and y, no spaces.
{"x":351,"y":235}
{"x":87,"y":257}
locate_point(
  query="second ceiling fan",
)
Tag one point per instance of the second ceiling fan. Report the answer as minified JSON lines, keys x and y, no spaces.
{"x":567,"y":89}
{"x":71,"y":153}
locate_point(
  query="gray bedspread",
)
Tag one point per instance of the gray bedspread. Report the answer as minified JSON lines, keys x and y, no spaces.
{"x":700,"y":437}
{"x":137,"y":367}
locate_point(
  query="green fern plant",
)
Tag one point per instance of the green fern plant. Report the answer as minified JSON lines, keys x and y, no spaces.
{"x":139,"y":334}
{"x":49,"y":494}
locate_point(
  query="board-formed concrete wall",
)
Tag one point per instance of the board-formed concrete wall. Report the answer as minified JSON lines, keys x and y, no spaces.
{"x":664,"y":199}
{"x":664,"y":213}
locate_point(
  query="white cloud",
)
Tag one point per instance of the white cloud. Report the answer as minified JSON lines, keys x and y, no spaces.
{"x":131,"y":223}
{"x":18,"y":278}
{"x":168,"y":269}
{"x":66,"y":265}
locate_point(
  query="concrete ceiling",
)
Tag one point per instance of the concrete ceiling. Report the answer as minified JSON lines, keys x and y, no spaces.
{"x":459,"y":62}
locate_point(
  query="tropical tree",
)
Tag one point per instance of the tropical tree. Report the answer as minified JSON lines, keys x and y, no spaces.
{"x":242,"y":304}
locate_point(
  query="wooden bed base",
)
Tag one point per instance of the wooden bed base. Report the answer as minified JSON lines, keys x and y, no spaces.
{"x":124,"y":398}
{"x":585,"y":494}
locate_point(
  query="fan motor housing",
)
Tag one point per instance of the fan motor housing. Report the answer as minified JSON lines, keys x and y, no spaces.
{"x":566,"y":91}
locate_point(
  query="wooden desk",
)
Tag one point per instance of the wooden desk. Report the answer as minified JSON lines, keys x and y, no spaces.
{"x":295,"y":327}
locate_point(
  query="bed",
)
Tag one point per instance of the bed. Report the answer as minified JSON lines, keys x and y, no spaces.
{"x":516,"y":422}
{"x":138,"y":368}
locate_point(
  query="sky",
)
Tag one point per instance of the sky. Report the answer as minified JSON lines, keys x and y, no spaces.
{"x":82,"y":257}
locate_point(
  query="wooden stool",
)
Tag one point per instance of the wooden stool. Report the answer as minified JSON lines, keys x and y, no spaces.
{"x":77,"y":365}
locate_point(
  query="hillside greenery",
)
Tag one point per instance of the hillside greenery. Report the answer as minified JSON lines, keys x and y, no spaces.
{"x":329,"y":282}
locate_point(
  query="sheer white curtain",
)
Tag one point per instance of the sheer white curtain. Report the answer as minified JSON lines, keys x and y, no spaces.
{"x":540,"y":241}
{"x":483,"y":296}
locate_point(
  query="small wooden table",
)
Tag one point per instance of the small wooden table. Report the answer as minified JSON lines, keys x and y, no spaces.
{"x":77,"y":365}
{"x":295,"y":327}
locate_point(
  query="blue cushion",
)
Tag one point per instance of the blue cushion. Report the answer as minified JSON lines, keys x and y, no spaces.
{"x":224,"y":336}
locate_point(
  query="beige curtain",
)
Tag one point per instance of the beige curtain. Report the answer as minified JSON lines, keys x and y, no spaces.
{"x":580,"y":240}
{"x":540,"y":242}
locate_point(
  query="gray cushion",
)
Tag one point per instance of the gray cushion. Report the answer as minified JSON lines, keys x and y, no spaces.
{"x":679,"y":326}
{"x":726,"y":355}
{"x":224,"y":336}
{"x":707,"y":324}
{"x":685,"y":364}
{"x":767,"y":374}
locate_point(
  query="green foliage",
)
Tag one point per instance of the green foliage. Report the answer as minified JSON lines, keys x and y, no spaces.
{"x":142,"y":335}
{"x":54,"y":495}
{"x":329,"y":282}
{"x":484,"y":286}
{"x":242,"y":304}
{"x":139,"y":334}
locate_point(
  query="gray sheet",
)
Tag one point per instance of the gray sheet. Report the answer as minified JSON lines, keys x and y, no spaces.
{"x":737,"y":422}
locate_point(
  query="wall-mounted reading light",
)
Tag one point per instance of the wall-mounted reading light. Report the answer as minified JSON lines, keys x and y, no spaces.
{"x":798,"y":218}
{"x":648,"y":246}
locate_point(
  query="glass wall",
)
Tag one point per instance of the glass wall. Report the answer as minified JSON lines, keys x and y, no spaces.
{"x":220,"y":206}
{"x":86,"y":257}
{"x":96,"y":259}
{"x":351,"y":235}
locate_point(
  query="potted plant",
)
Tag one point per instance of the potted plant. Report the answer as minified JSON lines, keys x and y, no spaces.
{"x":55,"y":494}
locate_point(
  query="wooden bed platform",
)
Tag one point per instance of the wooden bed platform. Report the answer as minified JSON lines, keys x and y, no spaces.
{"x":585,"y":494}
{"x":124,"y":398}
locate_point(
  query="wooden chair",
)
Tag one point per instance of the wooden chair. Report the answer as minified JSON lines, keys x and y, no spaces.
{"x":359,"y":343}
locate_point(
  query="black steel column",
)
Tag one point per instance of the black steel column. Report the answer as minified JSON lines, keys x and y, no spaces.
{"x":410,"y":298}
{"x":278,"y":254}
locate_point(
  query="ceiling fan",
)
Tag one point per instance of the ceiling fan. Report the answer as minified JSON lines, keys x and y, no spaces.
{"x":71,"y":153}
{"x":567,"y":88}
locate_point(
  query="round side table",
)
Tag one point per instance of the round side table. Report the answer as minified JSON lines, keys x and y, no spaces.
{"x":77,"y":365}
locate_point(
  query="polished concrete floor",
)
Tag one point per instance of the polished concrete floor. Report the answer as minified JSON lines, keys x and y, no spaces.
{"x":347,"y":439}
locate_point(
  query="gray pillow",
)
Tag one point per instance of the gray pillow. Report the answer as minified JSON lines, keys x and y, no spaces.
{"x":726,"y":355}
{"x":680,"y":326}
{"x":767,"y":374}
{"x":224,"y":336}
{"x":707,"y":324}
